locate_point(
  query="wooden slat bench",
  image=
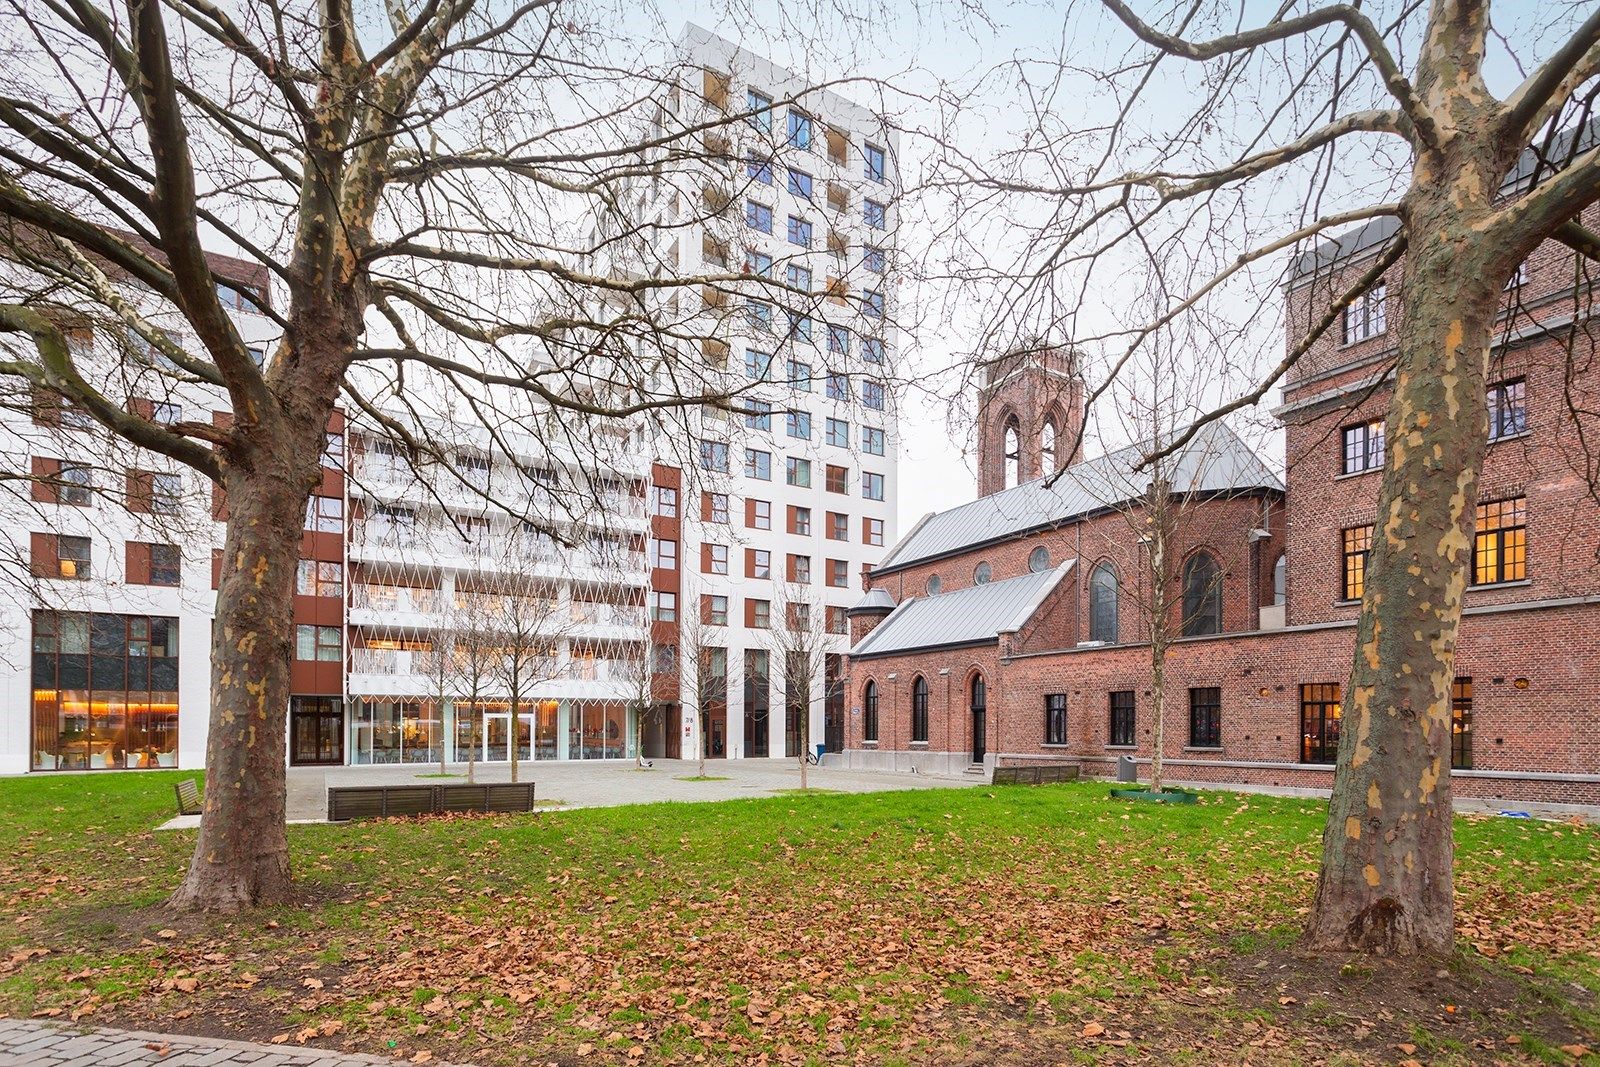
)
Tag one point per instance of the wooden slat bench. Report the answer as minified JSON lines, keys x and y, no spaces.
{"x":188,"y":796}
{"x":1036,"y":774}
{"x":383,"y":801}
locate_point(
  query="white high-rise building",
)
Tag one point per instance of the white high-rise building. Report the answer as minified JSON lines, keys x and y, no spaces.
{"x":781,"y":205}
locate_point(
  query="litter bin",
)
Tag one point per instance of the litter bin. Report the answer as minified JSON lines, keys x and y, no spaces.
{"x":820,"y":750}
{"x":1127,"y":770}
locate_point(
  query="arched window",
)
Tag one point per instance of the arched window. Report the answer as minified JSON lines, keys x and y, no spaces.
{"x":1202,"y":596}
{"x":1013,"y":454}
{"x":869,"y":712}
{"x":919,"y":709}
{"x":933,"y":585}
{"x":1047,"y":447}
{"x":1039,"y":559}
{"x":981,"y":573}
{"x":980,"y":693}
{"x":1280,"y":579}
{"x":1103,"y":604}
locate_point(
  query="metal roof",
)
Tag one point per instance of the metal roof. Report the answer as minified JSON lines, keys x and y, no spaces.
{"x":1215,"y":461}
{"x":875,"y":600}
{"x":977,"y":614}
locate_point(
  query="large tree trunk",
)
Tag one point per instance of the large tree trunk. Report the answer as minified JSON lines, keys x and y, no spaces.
{"x":1385,"y":885}
{"x":242,"y":856}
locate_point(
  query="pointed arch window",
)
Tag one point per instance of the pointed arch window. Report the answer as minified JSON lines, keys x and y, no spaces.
{"x":869,"y":712}
{"x":1202,"y":596}
{"x":919,"y":710}
{"x":1047,"y":447}
{"x":1103,"y":604}
{"x":1013,"y":454}
{"x":1280,"y":579}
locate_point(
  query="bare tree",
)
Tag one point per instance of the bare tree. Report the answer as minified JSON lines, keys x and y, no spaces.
{"x":1294,"y":115}
{"x":705,"y":669}
{"x":798,"y":641}
{"x":477,"y":660}
{"x":524,"y":628}
{"x":411,"y":195}
{"x":640,"y":667}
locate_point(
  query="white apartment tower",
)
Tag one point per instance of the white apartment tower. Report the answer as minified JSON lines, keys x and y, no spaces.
{"x":766,"y":514}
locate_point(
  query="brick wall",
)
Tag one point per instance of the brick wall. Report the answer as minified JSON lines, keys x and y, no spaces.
{"x":1028,"y":390}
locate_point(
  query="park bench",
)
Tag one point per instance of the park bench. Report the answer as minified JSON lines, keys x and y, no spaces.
{"x":384,"y":801}
{"x":188,"y":796}
{"x":1036,"y":774}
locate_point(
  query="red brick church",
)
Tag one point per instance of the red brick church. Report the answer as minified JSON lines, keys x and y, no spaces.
{"x":1009,"y":629}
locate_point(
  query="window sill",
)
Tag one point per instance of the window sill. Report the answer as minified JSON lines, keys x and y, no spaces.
{"x":1202,"y":748}
{"x":1520,"y":583}
{"x":918,"y":744}
{"x":1357,"y":474}
{"x":869,"y":744}
{"x":1347,"y":603}
{"x":1511,"y":437}
{"x":1055,"y":744}
{"x":1123,"y":748}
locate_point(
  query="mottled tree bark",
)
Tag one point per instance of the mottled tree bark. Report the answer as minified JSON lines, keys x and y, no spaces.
{"x":1386,"y":881}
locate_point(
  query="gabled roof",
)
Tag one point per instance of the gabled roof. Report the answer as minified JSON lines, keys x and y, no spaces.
{"x":975,"y":615}
{"x":1215,"y":461}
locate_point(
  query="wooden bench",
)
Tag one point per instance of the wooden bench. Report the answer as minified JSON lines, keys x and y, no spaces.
{"x":384,"y":801}
{"x":188,"y":796}
{"x":1036,"y":774}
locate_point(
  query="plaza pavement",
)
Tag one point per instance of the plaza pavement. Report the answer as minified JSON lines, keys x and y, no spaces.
{"x":38,"y":1043}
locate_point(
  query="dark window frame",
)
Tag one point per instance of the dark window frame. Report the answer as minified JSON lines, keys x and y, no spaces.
{"x":1205,"y":716}
{"x":1508,"y":538}
{"x":1321,"y":707}
{"x":919,"y":710}
{"x":1055,"y":718}
{"x":1122,"y":729}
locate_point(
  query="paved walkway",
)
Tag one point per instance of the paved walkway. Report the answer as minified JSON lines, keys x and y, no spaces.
{"x":37,"y":1043}
{"x":604,"y":784}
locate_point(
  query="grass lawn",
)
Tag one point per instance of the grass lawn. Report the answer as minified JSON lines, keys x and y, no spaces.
{"x":1011,"y":925}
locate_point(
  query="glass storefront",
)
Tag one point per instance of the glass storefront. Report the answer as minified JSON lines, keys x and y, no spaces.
{"x":105,"y":691}
{"x":395,"y":731}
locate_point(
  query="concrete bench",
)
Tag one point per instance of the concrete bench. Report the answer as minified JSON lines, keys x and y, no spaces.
{"x":1036,"y":774}
{"x":383,"y":801}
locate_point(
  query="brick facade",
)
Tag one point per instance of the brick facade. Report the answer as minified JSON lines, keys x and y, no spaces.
{"x":1531,"y":646}
{"x":1028,"y":391}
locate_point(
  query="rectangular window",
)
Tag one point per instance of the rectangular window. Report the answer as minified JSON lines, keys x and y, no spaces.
{"x":716,"y":559}
{"x":872,"y":531}
{"x":1319,"y":722}
{"x":760,"y":514}
{"x":666,"y":502}
{"x":1122,"y":718}
{"x":166,"y":413}
{"x":799,"y":129}
{"x":800,"y":326}
{"x":759,"y":614}
{"x":800,"y":232}
{"x":871,"y":485}
{"x":800,"y":375}
{"x":759,"y":105}
{"x":758,"y":216}
{"x":319,"y":578}
{"x":757,"y":563}
{"x":325,"y":514}
{"x":872,"y":441}
{"x":798,"y":425}
{"x":839,"y":340}
{"x":715,"y":507}
{"x":759,"y":415}
{"x":837,"y":479}
{"x":799,"y":277}
{"x":872,"y":395}
{"x":875,"y":214}
{"x":1508,"y":408}
{"x":836,"y":432}
{"x":875,"y":170}
{"x":758,"y":263}
{"x":874,"y":259}
{"x":758,"y":464}
{"x":758,"y":169}
{"x":1055,"y":718}
{"x":1363,"y":447}
{"x":800,"y":569}
{"x":166,"y":565}
{"x":1205,"y":717}
{"x":714,"y":610}
{"x":664,"y":607}
{"x":663,"y":554}
{"x":872,"y":303}
{"x":1461,"y":724}
{"x":838,"y":526}
{"x":799,"y":520}
{"x":1357,"y":544}
{"x":75,"y":485}
{"x":321,"y":643}
{"x":839,"y":573}
{"x":1367,"y":316}
{"x":714,"y":456}
{"x":838,"y":386}
{"x":838,"y":622}
{"x":757,"y":365}
{"x":166,"y":489}
{"x":1500,"y":547}
{"x":798,"y":472}
{"x":332,"y":457}
{"x":800,"y":183}
{"x":872,"y":349}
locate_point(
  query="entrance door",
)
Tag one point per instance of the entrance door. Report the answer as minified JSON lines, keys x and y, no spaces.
{"x":496,"y":743}
{"x":833,"y":728}
{"x":980,"y":718}
{"x":316,"y":732}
